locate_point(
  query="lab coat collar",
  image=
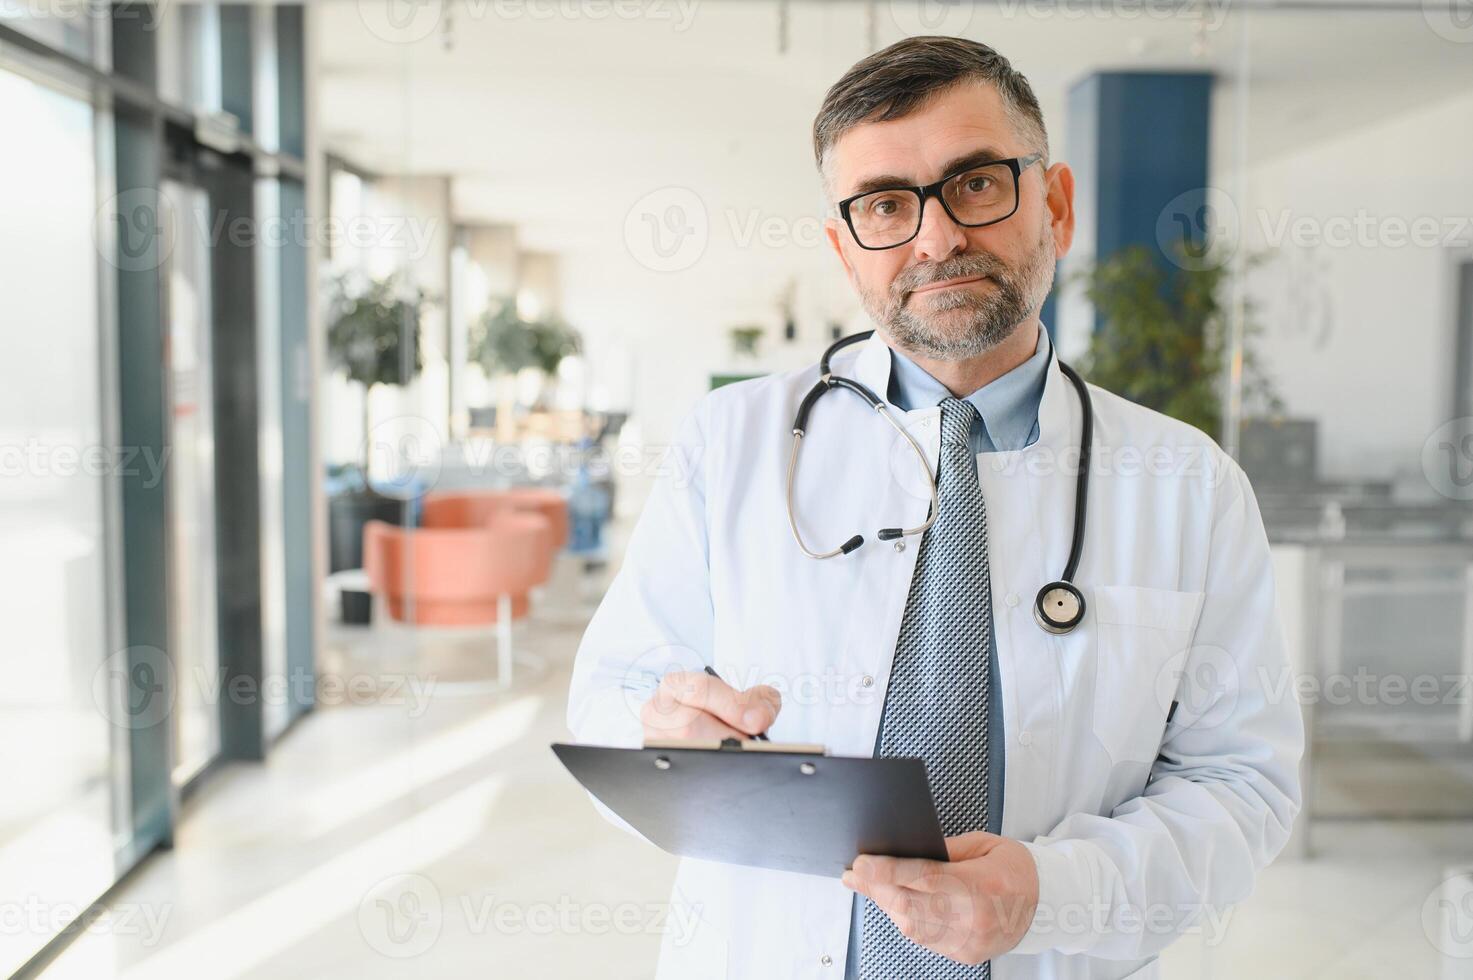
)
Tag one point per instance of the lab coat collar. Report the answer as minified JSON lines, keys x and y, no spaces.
{"x":1057,"y":420}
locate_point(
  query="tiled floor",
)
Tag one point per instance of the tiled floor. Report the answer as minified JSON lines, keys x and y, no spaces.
{"x":438,"y":837}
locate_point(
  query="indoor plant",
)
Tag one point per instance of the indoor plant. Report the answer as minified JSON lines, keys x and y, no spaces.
{"x":373,"y":337}
{"x":503,"y":342}
{"x":1161,"y":337}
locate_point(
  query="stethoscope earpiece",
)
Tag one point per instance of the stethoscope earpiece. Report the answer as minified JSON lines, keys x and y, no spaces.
{"x":1059,"y":607}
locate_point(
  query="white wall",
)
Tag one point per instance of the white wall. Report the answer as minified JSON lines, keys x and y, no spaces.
{"x":1358,"y":334}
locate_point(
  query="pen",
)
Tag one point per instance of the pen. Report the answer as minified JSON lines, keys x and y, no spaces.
{"x":760,"y":736}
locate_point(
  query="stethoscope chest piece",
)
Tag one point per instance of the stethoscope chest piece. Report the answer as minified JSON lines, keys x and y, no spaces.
{"x":1059,"y":607}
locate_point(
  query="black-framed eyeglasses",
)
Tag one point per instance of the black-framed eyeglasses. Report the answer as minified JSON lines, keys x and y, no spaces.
{"x":982,"y":194}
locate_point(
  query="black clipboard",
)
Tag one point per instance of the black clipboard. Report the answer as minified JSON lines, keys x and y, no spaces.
{"x":764,"y":804}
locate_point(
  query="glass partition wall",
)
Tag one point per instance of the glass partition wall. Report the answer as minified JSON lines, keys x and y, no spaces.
{"x":148,"y":489}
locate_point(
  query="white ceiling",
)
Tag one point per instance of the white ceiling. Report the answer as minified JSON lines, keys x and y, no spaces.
{"x":555,"y":123}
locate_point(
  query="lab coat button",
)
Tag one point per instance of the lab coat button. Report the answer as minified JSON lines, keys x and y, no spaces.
{"x":826,"y":960}
{"x":1025,"y":739}
{"x":1012,"y":599}
{"x":866,"y":681}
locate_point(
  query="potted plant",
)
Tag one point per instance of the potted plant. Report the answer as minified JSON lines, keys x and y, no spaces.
{"x":503,"y":343}
{"x":1161,"y":338}
{"x":373,"y":337}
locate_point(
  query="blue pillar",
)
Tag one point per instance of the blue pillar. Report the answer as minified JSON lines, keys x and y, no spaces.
{"x":1137,"y":142}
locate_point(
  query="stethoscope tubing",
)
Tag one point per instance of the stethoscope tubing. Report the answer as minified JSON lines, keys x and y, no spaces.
{"x":827,"y":381}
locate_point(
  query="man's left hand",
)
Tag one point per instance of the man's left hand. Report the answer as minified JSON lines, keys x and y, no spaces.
{"x":976,"y":906}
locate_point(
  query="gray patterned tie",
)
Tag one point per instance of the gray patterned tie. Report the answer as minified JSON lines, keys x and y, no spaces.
{"x":936,"y":706}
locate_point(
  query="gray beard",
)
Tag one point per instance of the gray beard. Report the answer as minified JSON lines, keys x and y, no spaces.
{"x":992,"y":318}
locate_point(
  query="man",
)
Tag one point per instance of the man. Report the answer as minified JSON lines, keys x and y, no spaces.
{"x":1102,"y":790}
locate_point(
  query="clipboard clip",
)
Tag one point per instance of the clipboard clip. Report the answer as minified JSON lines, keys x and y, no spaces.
{"x":731,"y":744}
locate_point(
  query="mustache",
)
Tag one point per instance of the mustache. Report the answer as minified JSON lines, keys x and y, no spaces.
{"x":961,"y":266}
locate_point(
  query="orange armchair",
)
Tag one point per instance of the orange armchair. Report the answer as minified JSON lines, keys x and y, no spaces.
{"x":472,"y":508}
{"x":460,"y":576}
{"x":551,"y":504}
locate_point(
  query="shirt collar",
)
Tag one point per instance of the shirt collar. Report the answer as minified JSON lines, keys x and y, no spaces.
{"x":1008,"y":404}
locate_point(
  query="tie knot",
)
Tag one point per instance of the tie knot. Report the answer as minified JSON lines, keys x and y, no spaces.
{"x":957,"y":416}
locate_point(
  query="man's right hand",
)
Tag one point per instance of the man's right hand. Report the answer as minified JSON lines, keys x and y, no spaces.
{"x":693,"y":704}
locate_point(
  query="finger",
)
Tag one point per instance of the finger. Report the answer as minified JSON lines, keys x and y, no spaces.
{"x":895,"y":871}
{"x":683,"y":721}
{"x":902,"y":905}
{"x":749,"y":712}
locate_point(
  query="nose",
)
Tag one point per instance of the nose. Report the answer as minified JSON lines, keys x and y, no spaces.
{"x":939,"y":236}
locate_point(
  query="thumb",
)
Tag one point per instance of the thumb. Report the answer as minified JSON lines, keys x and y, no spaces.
{"x":972,"y":845}
{"x":761,"y":703}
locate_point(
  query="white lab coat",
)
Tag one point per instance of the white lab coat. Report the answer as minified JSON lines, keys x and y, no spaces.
{"x":1140,"y":829}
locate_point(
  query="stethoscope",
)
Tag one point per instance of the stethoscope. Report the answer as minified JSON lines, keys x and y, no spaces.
{"x":1059,"y":606}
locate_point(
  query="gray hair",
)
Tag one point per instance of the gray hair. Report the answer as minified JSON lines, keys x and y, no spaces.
{"x":900,"y":79}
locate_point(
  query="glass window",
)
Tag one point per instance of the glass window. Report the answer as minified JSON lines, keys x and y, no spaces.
{"x":194,"y":622}
{"x":74,"y":28}
{"x":56,"y":833}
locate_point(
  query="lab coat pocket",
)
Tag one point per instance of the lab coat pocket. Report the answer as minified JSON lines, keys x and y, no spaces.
{"x":1142,"y":635}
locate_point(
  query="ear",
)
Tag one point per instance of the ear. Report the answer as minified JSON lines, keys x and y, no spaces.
{"x":836,"y":231}
{"x":1059,"y":195}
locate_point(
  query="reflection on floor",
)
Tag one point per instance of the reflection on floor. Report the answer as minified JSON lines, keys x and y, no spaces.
{"x":411,"y":833}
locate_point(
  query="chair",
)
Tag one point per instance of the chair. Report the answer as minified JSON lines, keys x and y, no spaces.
{"x":552,"y":504}
{"x":466,"y":576}
{"x":478,"y":508}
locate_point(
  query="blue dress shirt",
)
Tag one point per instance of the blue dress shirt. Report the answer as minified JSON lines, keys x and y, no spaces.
{"x":1008,"y":407}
